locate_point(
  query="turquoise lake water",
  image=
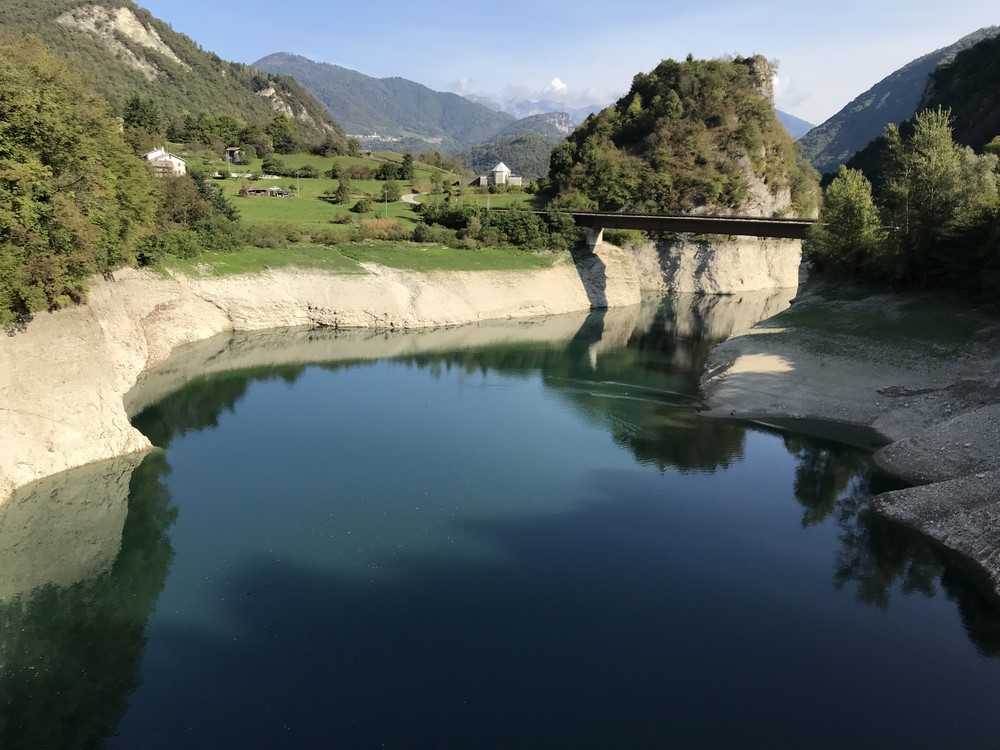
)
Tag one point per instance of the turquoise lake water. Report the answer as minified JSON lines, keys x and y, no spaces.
{"x":533,"y":539}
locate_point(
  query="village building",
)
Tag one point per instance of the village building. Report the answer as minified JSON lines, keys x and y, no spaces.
{"x":269,"y":192}
{"x":234,"y":155}
{"x":165,"y":163}
{"x":499,"y":175}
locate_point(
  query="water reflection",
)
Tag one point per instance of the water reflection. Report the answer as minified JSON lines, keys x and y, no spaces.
{"x":79,"y":579}
{"x":72,"y":626}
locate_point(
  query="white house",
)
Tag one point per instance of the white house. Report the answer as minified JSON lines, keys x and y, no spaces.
{"x":499,"y":175}
{"x":164,"y":162}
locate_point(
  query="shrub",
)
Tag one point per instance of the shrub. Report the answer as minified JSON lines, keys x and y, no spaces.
{"x":623,"y":237}
{"x":326,"y":236}
{"x":381,"y":229}
{"x":433,"y":233}
{"x":363,"y":206}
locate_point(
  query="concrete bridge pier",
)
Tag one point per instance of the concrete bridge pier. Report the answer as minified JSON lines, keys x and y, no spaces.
{"x":595,"y":236}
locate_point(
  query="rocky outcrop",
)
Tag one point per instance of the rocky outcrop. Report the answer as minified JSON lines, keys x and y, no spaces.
{"x":744,"y":264}
{"x":108,"y":25}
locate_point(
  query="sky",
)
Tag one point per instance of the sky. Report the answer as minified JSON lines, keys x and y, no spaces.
{"x":587,"y":51}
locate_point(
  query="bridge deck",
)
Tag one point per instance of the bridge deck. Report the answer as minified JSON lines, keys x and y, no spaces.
{"x":746,"y":226}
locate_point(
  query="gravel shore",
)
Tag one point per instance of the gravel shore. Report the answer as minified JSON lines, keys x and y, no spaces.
{"x":922,"y":373}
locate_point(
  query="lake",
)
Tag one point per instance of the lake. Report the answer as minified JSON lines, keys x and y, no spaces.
{"x":521,"y":534}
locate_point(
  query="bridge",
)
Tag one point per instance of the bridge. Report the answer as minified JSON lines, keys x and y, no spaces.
{"x":745,"y":226}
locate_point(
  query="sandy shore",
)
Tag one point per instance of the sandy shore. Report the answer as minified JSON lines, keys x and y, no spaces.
{"x":936,"y":402}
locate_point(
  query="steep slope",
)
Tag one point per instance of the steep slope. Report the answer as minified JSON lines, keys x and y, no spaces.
{"x":390,"y":106}
{"x":891,"y":100}
{"x":698,"y":136}
{"x":126,"y":51}
{"x":969,"y":86}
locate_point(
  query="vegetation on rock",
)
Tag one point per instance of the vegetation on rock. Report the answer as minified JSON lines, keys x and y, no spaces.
{"x":182,"y":80}
{"x":687,"y":136}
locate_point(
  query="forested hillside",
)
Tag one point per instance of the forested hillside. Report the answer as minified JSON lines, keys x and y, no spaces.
{"x":74,"y":200}
{"x":969,"y":88}
{"x":894,"y":99}
{"x":391,"y":106}
{"x":127,"y":52}
{"x":527,"y":154}
{"x":689,"y":136}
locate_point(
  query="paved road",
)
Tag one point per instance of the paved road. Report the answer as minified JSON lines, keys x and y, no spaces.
{"x":410,"y":198}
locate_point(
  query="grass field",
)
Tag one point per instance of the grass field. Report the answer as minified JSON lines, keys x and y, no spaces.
{"x":305,"y":209}
{"x":344,"y":258}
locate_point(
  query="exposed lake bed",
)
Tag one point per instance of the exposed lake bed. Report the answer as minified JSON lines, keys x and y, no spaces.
{"x":920,"y":371}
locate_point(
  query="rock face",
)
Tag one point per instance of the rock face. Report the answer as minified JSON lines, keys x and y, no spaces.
{"x":745,"y":264}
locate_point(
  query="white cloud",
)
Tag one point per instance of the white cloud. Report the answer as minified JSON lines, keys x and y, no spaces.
{"x":557,"y":85}
{"x":786,"y":95}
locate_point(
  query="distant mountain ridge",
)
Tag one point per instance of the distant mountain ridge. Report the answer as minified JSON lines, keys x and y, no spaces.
{"x":894,"y":99}
{"x":124,"y":50}
{"x":523,"y":108}
{"x":394,"y":107}
{"x":796,"y":126}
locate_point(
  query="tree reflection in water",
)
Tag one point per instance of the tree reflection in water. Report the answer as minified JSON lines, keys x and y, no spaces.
{"x":70,"y":656}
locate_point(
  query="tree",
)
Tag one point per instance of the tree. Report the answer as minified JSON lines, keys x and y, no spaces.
{"x":74,"y":199}
{"x":343,"y":193}
{"x":922,"y":183}
{"x":406,"y":170}
{"x":391,"y":191}
{"x":849,"y":236}
{"x":284,"y":134}
{"x":143,"y":113}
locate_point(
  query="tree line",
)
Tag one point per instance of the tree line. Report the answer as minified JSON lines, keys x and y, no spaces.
{"x":930,"y":218}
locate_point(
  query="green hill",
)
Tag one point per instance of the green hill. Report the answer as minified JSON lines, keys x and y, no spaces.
{"x":125,"y":51}
{"x":894,"y":99}
{"x":699,"y":135}
{"x":391,"y":107}
{"x":527,"y":154}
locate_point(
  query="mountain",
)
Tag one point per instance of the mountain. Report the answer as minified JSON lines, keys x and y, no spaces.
{"x":523,"y":108}
{"x":968,"y":86}
{"x":551,"y":126}
{"x":391,"y":107}
{"x":125,"y":51}
{"x":796,"y":126}
{"x":892,"y":100}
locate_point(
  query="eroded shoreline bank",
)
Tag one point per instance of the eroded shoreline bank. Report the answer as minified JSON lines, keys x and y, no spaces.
{"x":938,"y":407}
{"x":936,"y":401}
